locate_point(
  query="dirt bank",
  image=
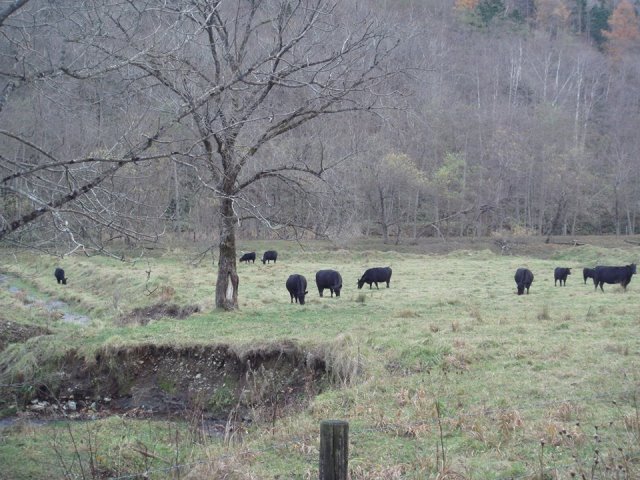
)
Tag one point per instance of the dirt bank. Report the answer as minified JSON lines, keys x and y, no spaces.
{"x":214,"y":381}
{"x":13,"y":332}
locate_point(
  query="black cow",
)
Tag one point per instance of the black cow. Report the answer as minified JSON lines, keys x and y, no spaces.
{"x":269,"y":255}
{"x":297,"y":286}
{"x":523,"y":279}
{"x":375,"y":275}
{"x":247,"y":257}
{"x":329,"y":279}
{"x":59,"y":274}
{"x":561,"y":273}
{"x":621,"y":275}
{"x":588,"y":273}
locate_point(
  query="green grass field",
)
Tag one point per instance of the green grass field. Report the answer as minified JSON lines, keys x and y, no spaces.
{"x":447,"y":372}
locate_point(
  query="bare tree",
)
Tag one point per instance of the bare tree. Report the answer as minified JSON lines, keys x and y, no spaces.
{"x":212,"y":84}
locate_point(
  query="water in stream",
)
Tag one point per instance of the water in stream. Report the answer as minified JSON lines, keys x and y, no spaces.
{"x":49,"y":305}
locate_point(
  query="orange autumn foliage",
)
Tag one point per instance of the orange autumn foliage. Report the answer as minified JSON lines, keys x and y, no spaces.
{"x":624,"y":31}
{"x":466,"y":4}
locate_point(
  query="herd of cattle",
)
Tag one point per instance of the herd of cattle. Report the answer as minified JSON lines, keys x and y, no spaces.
{"x":600,"y":275}
{"x":332,"y":280}
{"x":325,"y":279}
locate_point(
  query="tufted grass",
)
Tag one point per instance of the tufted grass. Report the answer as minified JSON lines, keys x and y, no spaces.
{"x":522,"y":382}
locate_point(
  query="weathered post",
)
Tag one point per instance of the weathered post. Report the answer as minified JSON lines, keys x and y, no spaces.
{"x":334,"y":449}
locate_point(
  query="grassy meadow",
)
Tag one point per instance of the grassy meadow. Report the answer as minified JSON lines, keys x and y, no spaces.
{"x":448,"y":372}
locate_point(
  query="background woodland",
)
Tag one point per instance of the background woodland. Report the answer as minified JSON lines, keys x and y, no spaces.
{"x":492,"y":116}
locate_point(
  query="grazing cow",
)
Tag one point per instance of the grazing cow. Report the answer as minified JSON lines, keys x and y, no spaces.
{"x":329,"y":279}
{"x":247,"y":257}
{"x":561,"y":274}
{"x":297,"y":286}
{"x":269,"y":255}
{"x":59,"y":274}
{"x":523,"y":278}
{"x":621,"y":275}
{"x":375,"y":275}
{"x":588,"y":273}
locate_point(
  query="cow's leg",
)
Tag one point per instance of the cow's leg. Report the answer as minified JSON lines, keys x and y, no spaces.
{"x":377,"y":285}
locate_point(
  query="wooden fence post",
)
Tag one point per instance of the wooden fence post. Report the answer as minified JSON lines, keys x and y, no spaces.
{"x":334,"y":450}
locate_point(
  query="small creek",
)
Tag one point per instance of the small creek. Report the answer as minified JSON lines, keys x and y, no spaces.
{"x":51,"y":306}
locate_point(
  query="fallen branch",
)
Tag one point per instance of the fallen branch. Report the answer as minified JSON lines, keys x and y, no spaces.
{"x":573,"y":243}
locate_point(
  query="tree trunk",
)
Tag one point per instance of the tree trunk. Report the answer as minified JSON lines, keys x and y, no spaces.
{"x":415,"y":215}
{"x":383,"y":217}
{"x":176,"y":195}
{"x":227,"y":283}
{"x":616,"y":209}
{"x":562,"y":203}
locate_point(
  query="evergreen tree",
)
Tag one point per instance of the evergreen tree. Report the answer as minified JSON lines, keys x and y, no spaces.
{"x":598,"y":23}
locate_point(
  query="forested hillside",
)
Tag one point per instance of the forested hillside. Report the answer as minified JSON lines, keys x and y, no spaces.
{"x":398,"y":118}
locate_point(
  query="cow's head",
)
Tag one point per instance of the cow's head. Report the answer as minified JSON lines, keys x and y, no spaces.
{"x":360,"y":282}
{"x":568,"y":271}
{"x":520,"y":289}
{"x":633,"y":268}
{"x":301,"y":297}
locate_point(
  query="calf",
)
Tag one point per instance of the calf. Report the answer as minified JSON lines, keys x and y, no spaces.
{"x":329,"y":279}
{"x":561,"y":274}
{"x":297,"y":286}
{"x":524,"y":279}
{"x":588,"y":273}
{"x":269,"y":255}
{"x":247,"y":257}
{"x":375,"y":275}
{"x":621,"y":275}
{"x":59,"y":274}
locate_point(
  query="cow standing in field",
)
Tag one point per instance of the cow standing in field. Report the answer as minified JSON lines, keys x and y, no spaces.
{"x":561,"y":274}
{"x":524,"y":279}
{"x":329,"y":279}
{"x":588,"y":273}
{"x":621,"y":275}
{"x":59,"y":274}
{"x":375,"y":275}
{"x":297,"y":287}
{"x":269,"y":255}
{"x":248,"y":257}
